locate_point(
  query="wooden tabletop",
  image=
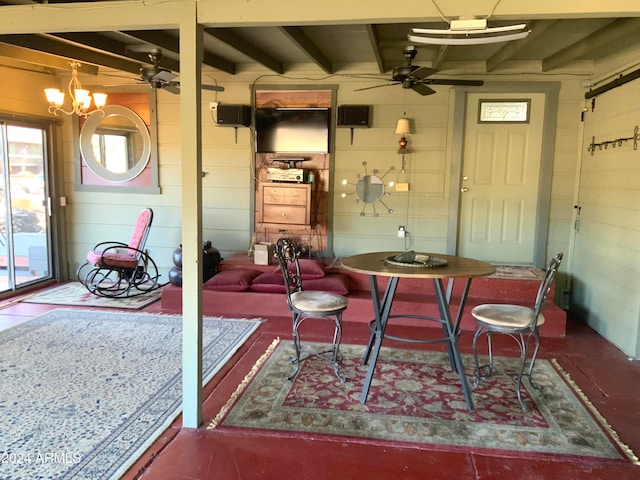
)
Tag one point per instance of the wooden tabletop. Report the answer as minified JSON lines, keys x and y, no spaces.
{"x":376,"y":263}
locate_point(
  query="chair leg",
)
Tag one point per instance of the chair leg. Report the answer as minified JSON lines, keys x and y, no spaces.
{"x":523,"y":362}
{"x":478,"y":375}
{"x":336,"y":356}
{"x":296,"y":343}
{"x":536,"y":337}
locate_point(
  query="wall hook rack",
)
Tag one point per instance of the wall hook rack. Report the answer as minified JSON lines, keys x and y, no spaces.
{"x":618,"y":142}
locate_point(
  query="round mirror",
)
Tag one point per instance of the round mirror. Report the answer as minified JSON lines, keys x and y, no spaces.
{"x":370,"y":189}
{"x":115,"y":143}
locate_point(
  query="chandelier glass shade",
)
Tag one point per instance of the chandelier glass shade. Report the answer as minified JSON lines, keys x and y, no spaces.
{"x":80,"y":97}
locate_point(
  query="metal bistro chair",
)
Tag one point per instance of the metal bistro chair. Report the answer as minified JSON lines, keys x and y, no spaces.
{"x":116,"y":269}
{"x":519,"y":322}
{"x":309,"y":304}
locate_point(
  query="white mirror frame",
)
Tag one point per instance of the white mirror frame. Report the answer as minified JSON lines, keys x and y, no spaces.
{"x":86,"y":147}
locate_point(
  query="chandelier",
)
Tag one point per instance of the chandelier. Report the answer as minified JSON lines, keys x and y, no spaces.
{"x":80,"y":98}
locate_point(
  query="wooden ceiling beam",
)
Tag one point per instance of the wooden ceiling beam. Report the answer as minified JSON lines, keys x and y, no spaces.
{"x":45,"y":60}
{"x":511,"y":48}
{"x":297,"y":35}
{"x":166,"y":41}
{"x":374,"y":41}
{"x":613,"y":34}
{"x":47,"y":44}
{"x":235,"y":41}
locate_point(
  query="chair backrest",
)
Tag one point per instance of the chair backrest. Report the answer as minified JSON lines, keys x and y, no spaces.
{"x":141,"y":231}
{"x":545,"y":285}
{"x":287,"y":255}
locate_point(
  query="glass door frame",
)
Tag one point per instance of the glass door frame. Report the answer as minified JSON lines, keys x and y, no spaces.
{"x":46,"y":260}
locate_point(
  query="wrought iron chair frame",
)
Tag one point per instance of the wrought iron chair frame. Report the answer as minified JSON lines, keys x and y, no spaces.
{"x":325,"y":305}
{"x":110,"y":273}
{"x":521,"y":333}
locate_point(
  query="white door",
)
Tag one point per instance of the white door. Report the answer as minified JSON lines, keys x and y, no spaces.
{"x":500,"y":174}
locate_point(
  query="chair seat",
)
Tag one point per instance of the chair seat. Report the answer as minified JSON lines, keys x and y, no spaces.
{"x":504,"y":315}
{"x":313,"y":301}
{"x":112,"y":259}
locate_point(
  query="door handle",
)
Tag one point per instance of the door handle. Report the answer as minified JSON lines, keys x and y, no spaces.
{"x":464,"y":189}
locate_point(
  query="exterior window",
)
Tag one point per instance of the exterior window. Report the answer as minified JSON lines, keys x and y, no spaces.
{"x":501,"y":111}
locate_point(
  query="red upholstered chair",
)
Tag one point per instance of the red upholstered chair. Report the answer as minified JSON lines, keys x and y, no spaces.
{"x":309,"y":304}
{"x":116,"y":269}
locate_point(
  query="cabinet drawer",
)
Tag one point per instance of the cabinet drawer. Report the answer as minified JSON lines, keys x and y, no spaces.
{"x":284,"y":214}
{"x":273,"y":198}
{"x":269,"y":191}
{"x":300,"y":193}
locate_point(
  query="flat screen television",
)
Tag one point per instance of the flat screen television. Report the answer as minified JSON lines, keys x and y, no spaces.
{"x":292,"y":130}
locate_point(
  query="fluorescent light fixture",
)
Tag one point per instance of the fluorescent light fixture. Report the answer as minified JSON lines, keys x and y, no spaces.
{"x":471,"y":32}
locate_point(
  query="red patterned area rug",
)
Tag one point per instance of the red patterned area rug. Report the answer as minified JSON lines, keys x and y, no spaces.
{"x":415,"y":398}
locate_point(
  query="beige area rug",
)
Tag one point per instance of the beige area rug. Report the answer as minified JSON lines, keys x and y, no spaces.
{"x":75,"y":294}
{"x":85,"y":392}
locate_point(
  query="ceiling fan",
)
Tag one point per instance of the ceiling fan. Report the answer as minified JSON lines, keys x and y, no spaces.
{"x":159,"y":77}
{"x":416,"y":78}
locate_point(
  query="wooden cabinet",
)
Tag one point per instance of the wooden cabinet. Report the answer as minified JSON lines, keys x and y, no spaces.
{"x":286,"y":203}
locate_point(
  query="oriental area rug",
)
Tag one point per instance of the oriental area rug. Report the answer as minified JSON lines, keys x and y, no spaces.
{"x":76,"y":294}
{"x":84,"y":392}
{"x":417,"y":401}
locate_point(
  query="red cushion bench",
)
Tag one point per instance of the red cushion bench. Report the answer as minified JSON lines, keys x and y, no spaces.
{"x":242,"y":289}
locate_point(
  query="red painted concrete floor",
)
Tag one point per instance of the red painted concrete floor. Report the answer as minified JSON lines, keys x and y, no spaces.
{"x":604,"y":373}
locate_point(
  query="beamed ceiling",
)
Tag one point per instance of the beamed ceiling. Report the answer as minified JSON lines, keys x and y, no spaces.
{"x":554,"y":46}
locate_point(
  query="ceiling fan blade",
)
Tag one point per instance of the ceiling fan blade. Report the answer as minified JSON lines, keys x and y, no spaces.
{"x":213,"y":88}
{"x":164,"y":76}
{"x":172,"y":87}
{"x":442,"y":81}
{"x":422,"y":89}
{"x":377,"y":86}
{"x":423,"y":72}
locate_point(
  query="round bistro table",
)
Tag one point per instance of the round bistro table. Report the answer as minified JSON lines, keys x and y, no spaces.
{"x":438,"y":268}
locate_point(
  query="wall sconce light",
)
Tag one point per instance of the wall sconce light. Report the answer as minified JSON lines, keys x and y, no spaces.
{"x":80,"y":98}
{"x":403,"y":128}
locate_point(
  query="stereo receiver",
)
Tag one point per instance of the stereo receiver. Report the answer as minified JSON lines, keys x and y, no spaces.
{"x":286,"y":175}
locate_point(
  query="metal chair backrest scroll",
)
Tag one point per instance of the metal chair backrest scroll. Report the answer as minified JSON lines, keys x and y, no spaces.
{"x":545,"y":288}
{"x":309,"y":304}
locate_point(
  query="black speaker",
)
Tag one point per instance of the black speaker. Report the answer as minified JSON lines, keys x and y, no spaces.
{"x":234,"y":115}
{"x":353,"y":116}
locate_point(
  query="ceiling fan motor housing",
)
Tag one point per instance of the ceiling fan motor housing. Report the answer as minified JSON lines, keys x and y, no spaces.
{"x":147,"y":73}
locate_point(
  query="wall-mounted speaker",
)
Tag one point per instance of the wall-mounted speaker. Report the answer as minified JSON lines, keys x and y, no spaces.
{"x":353,"y":116}
{"x":234,"y":115}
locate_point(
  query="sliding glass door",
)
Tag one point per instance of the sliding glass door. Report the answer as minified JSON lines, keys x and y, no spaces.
{"x":25,"y":239}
